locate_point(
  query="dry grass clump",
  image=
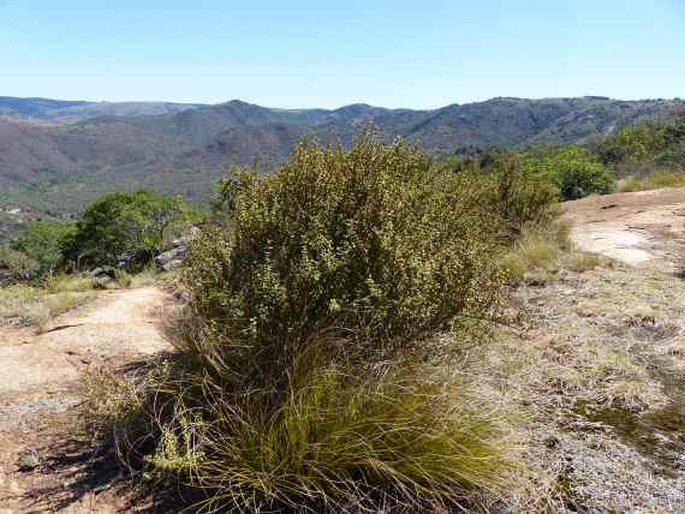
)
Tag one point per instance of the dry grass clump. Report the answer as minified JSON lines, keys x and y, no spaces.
{"x":110,"y":399}
{"x":80,"y":282}
{"x":654,"y":180}
{"x":149,"y":276}
{"x":62,"y":283}
{"x":544,"y":251}
{"x":341,"y":443}
{"x":538,"y":254}
{"x":27,"y":305}
{"x":581,"y":261}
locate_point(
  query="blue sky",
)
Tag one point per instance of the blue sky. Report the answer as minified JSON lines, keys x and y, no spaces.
{"x":418,"y":54}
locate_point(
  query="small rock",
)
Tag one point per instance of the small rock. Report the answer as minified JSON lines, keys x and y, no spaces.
{"x":103,"y":271}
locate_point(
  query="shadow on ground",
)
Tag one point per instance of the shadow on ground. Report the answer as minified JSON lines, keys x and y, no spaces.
{"x":76,"y":474}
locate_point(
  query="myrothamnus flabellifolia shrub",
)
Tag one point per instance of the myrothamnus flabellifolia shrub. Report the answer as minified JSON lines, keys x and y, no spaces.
{"x":373,"y":243}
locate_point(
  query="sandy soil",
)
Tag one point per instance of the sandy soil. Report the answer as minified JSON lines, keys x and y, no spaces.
{"x":645,"y":228}
{"x":39,"y":385}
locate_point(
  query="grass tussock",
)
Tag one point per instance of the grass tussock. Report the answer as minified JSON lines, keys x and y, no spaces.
{"x":654,"y":180}
{"x":80,"y":282}
{"x":340,"y":443}
{"x":581,"y":262}
{"x":62,"y":283}
{"x":110,"y":399}
{"x":537,"y":254}
{"x":543,"y":252}
{"x":150,"y":276}
{"x":33,"y":306}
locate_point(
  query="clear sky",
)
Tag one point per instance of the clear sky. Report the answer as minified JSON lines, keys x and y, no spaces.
{"x":322,"y":53}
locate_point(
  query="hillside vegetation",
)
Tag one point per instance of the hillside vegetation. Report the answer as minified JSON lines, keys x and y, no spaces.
{"x":126,"y":230}
{"x":46,"y":109}
{"x":367,"y":329}
{"x":55,"y":169}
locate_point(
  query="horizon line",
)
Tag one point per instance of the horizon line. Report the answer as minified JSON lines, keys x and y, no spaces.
{"x":359,"y":103}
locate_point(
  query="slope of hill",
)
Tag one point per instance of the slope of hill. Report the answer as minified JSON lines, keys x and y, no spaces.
{"x":45,"y":109}
{"x":86,"y":149}
{"x":34,"y":107}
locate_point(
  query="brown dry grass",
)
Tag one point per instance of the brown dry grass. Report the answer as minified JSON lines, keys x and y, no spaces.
{"x":591,"y":358}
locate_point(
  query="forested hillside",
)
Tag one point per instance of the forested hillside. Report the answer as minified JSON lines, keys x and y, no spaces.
{"x":56,"y":156}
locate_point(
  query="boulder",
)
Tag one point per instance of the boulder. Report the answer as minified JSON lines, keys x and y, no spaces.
{"x":103,"y":271}
{"x":171,"y":258}
{"x":133,"y":260}
{"x":126,"y":259}
{"x":102,"y":276}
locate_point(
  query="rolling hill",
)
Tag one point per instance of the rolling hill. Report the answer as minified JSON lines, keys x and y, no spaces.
{"x":57,"y":155}
{"x":46,"y":109}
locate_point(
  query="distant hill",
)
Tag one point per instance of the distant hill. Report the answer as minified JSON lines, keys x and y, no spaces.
{"x":56,"y":155}
{"x":45,"y":109}
{"x":34,"y":107}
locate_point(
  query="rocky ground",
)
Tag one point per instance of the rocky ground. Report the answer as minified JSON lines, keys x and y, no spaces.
{"x":597,"y":360}
{"x":643,"y":229}
{"x":41,"y":468}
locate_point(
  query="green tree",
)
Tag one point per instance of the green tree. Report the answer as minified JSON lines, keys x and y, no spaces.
{"x":14,"y":265}
{"x":574,"y":171}
{"x":140,"y":221}
{"x":43,"y":243}
{"x":647,"y":144}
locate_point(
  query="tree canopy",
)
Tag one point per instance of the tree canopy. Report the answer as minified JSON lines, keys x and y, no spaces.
{"x":140,"y":221}
{"x":42,"y":243}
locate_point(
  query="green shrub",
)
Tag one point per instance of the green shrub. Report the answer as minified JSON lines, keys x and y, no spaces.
{"x":374,"y":241}
{"x":43,"y":243}
{"x":525,"y":197}
{"x":646,"y":145}
{"x":15,"y":266}
{"x":575,"y":171}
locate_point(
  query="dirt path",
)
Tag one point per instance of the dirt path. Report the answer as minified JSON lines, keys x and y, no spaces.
{"x":645,"y":228}
{"x":39,"y":381}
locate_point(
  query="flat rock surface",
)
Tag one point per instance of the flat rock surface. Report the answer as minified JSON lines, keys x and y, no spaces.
{"x":645,"y":228}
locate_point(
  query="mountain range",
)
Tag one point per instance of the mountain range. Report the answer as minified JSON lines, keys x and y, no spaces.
{"x":56,"y":155}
